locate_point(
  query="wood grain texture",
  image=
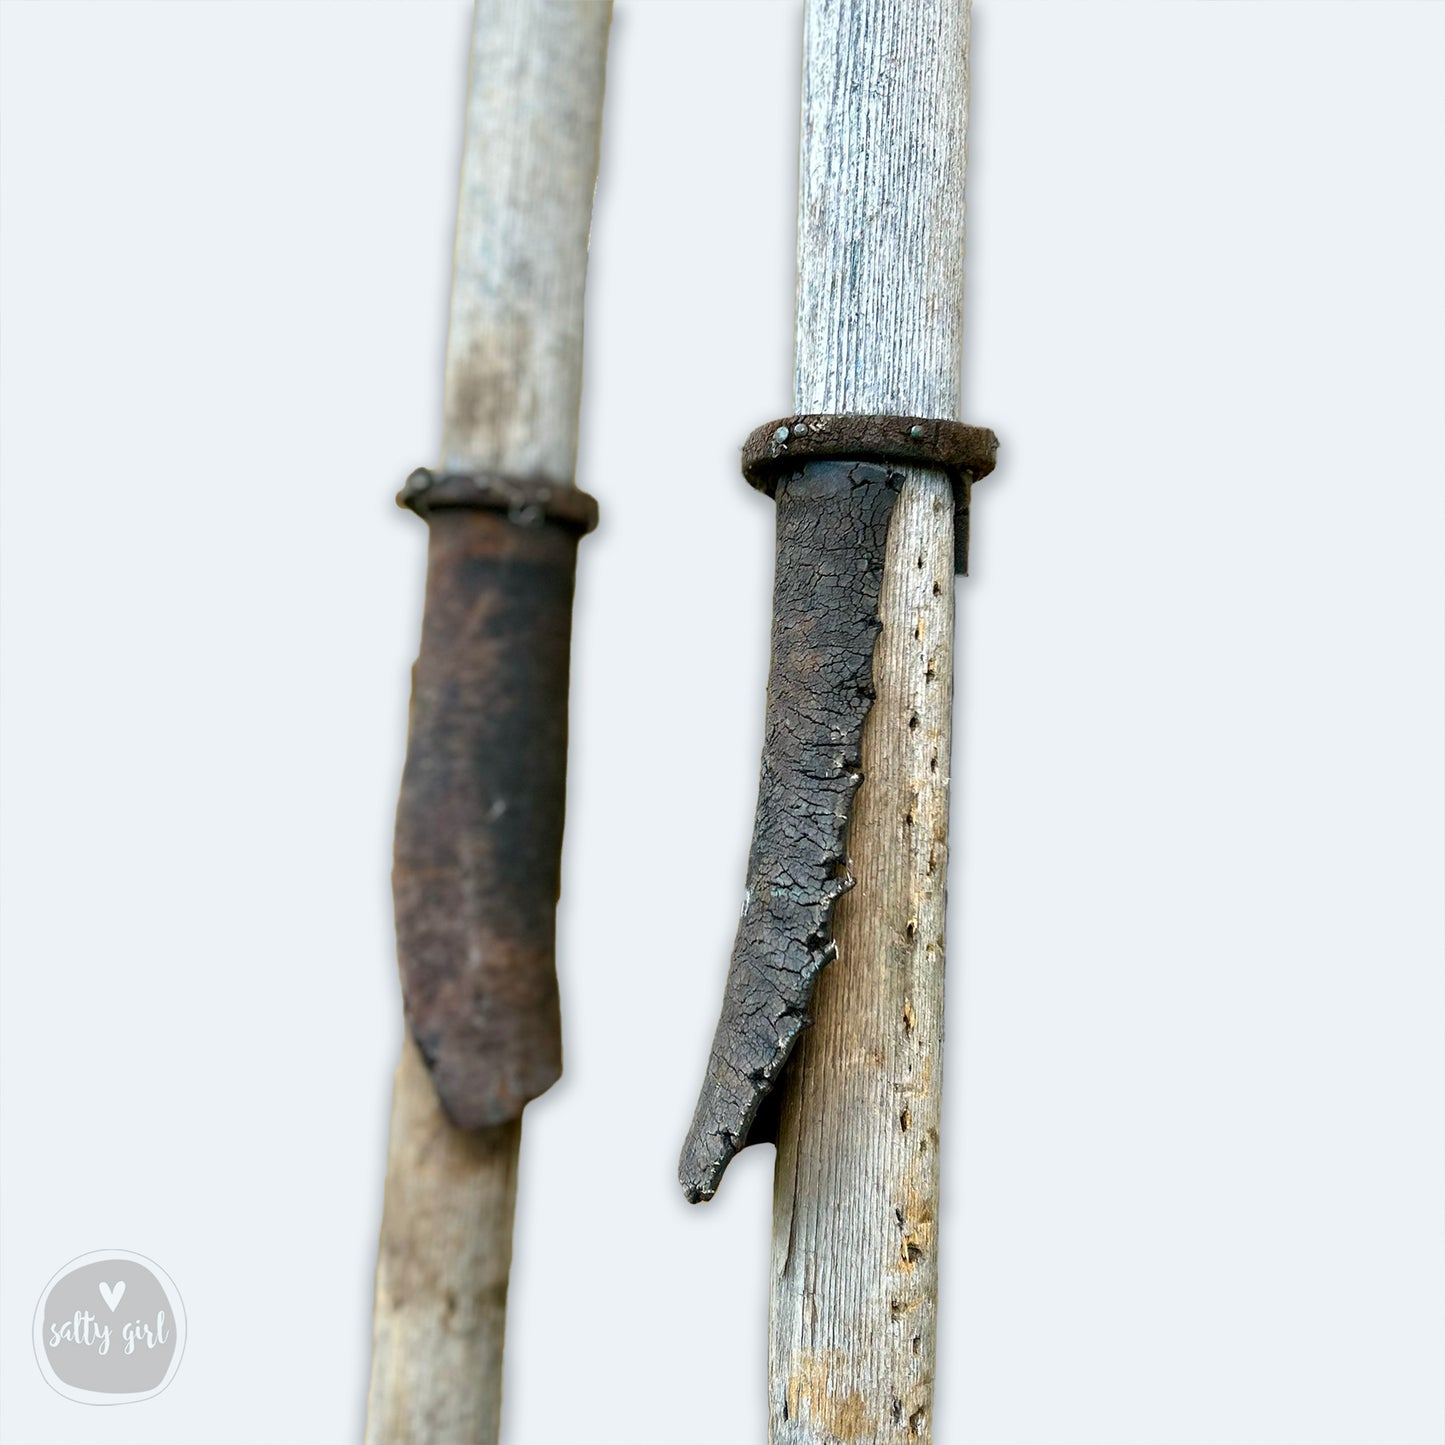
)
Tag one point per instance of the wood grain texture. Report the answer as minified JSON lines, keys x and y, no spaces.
{"x":441,"y":1274}
{"x":879,"y":328}
{"x":513,"y":388}
{"x":514,"y":347}
{"x":879,"y":317}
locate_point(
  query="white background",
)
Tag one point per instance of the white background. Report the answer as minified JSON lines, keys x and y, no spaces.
{"x":1193,"y":1179}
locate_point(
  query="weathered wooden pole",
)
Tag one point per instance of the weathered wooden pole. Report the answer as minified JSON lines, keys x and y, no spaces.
{"x":879,"y":329}
{"x":513,"y":385}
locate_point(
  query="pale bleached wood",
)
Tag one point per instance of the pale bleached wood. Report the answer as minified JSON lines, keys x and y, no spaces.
{"x":513,"y":388}
{"x":879,"y":328}
{"x":441,"y":1275}
{"x":514,"y":347}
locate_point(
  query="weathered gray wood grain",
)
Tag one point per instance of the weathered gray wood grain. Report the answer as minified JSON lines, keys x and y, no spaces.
{"x":879,"y":328}
{"x":513,"y":386}
{"x":514,"y":347}
{"x":441,"y":1275}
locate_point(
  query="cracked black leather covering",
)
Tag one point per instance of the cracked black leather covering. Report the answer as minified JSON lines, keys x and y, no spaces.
{"x":477,"y":868}
{"x":832,"y":531}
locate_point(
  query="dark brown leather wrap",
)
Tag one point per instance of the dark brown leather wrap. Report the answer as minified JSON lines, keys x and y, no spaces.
{"x":479,"y":825}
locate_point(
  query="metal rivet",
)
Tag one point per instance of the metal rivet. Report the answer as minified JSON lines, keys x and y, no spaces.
{"x":915,"y":432}
{"x":801,"y":427}
{"x":781,"y":435}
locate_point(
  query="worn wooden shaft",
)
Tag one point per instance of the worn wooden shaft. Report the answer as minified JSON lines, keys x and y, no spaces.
{"x":441,"y":1278}
{"x":513,"y":385}
{"x":529,"y":170}
{"x":879,"y":329}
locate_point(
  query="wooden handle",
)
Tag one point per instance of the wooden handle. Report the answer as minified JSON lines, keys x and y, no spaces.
{"x":879,"y":329}
{"x":513,"y":385}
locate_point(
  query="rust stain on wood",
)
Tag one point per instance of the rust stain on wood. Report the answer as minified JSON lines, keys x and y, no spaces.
{"x":844,"y":1416}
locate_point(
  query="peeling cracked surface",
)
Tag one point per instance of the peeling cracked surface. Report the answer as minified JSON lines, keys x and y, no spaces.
{"x":832,"y":532}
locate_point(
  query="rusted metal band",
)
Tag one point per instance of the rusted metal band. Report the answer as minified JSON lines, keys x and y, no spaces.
{"x":477,"y":870}
{"x":966,"y":453}
{"x":527,"y":501}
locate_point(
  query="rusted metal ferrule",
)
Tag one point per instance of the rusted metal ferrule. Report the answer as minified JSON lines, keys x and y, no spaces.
{"x":527,"y":501}
{"x":966,"y":453}
{"x":477,"y":869}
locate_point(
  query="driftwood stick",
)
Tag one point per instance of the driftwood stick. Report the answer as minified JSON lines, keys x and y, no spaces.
{"x":441,"y":1277}
{"x":879,"y":329}
{"x":513,"y":385}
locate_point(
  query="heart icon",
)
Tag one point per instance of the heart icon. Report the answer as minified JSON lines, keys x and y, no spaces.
{"x":111,"y":1293}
